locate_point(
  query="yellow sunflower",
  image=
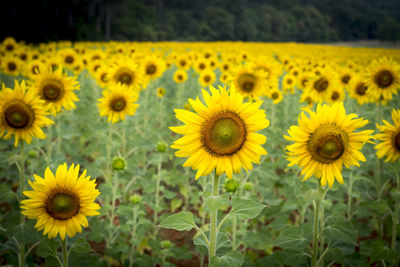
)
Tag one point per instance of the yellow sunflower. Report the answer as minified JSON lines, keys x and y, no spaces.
{"x":248,"y":81}
{"x":383,"y":78}
{"x":182,"y":62}
{"x":222,"y":134}
{"x":206,"y":77}
{"x":12,"y":65}
{"x":56,"y":89}
{"x":200,"y":65}
{"x":125,"y":71}
{"x":160,"y":92}
{"x":102,"y":77}
{"x":307,"y":98}
{"x":336,"y":94}
{"x":345,"y":76}
{"x":320,"y":86}
{"x":180,"y":76}
{"x":60,"y":203}
{"x":10,"y":44}
{"x":326,"y":140}
{"x":288,"y":83}
{"x":117,"y":102}
{"x":358,"y":90}
{"x":153,"y":67}
{"x":276,"y":95}
{"x":22,"y":113}
{"x":390,"y":137}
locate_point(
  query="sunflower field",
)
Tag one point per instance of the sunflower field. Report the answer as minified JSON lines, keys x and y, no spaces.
{"x":220,"y":154}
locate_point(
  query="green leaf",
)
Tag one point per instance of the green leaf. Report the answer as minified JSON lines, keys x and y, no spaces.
{"x":223,"y":240}
{"x":214,"y":203}
{"x":291,"y":239}
{"x":246,"y":208}
{"x":182,"y":221}
{"x":176,"y":203}
{"x":231,"y":259}
{"x":341,"y":230}
{"x":47,"y":248}
{"x":81,"y":246}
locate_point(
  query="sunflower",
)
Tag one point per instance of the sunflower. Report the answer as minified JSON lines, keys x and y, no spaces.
{"x":56,"y":89}
{"x":180,"y":76}
{"x":276,"y":95}
{"x":10,"y":44}
{"x":160,"y":92}
{"x":221,"y":135}
{"x":359,"y":91}
{"x":102,"y":77}
{"x":247,"y":81}
{"x":288,"y":83}
{"x":34,"y":68}
{"x":22,"y":114}
{"x":117,"y":102}
{"x":207,"y":78}
{"x":125,"y":72}
{"x":321,"y":84}
{"x":345,"y":76}
{"x":383,"y":78}
{"x":60,"y":203}
{"x":69,"y":58}
{"x":12,"y":65}
{"x":326,"y":140}
{"x":336,"y":94}
{"x":390,"y":137}
{"x":153,"y":68}
{"x":224,"y":78}
{"x":182,"y":62}
{"x":307,"y":98}
{"x":225,"y":66}
{"x":200,"y":65}
{"x":302,"y":80}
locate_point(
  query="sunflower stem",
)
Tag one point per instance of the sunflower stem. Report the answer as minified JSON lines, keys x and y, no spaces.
{"x":213,"y":223}
{"x":317,"y":204}
{"x":349,"y":189}
{"x":133,"y":236}
{"x":395,"y":219}
{"x":65,"y":252}
{"x":155,"y":215}
{"x":378,"y":162}
{"x":21,"y":168}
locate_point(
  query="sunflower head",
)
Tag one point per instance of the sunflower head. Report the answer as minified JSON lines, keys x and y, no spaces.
{"x":389,"y":135}
{"x":248,"y":81}
{"x":61,"y":202}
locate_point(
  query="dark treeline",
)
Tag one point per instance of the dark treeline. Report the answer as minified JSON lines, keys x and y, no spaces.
{"x":202,"y":20}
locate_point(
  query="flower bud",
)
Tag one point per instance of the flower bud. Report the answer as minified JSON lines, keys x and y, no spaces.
{"x":248,"y":186}
{"x":166,"y":244}
{"x":135,"y":199}
{"x":162,"y":146}
{"x":231,"y":185}
{"x":119,"y":164}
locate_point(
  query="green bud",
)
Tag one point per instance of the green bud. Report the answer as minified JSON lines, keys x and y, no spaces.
{"x":231,"y":185}
{"x":248,"y":186}
{"x":166,"y":244}
{"x":32,"y":153}
{"x":135,"y":199}
{"x":119,"y":164}
{"x":162,"y":146}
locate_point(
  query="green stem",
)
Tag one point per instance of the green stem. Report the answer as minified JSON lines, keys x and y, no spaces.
{"x":234,"y":226}
{"x":21,"y":168}
{"x":113,"y":200}
{"x":133,"y":234}
{"x":395,"y":219}
{"x":155,"y":215}
{"x":378,"y":162}
{"x":213,"y":222}
{"x":317,"y":204}
{"x":65,"y":252}
{"x":49,"y":144}
{"x":349,"y":190}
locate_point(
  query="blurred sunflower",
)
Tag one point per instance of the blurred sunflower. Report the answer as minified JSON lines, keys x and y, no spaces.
{"x":56,"y":89}
{"x":69,"y":58}
{"x":34,"y":67}
{"x":10,"y":44}
{"x":345,"y":76}
{"x":60,"y":203}
{"x":160,"y":92}
{"x":336,"y":94}
{"x":206,"y":78}
{"x":102,"y":77}
{"x":325,"y":141}
{"x":276,"y":95}
{"x":153,"y":67}
{"x":12,"y":65}
{"x":22,"y":113}
{"x":288,"y":83}
{"x":200,"y":65}
{"x":182,"y":62}
{"x":390,"y":136}
{"x":180,"y":76}
{"x":358,"y":90}
{"x":247,"y":81}
{"x":383,"y":78}
{"x":125,"y":71}
{"x":117,"y":102}
{"x":221,"y":135}
{"x":320,"y":85}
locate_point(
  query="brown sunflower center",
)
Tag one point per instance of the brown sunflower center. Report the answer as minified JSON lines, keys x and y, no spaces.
{"x":125,"y":76}
{"x":335,"y":96}
{"x":383,"y":79}
{"x":18,"y":115}
{"x":183,"y":63}
{"x":327,"y":143}
{"x":52,"y":91}
{"x":207,"y":78}
{"x":151,"y":69}
{"x":304,"y":82}
{"x":289,"y":81}
{"x":62,"y":206}
{"x":103,"y":77}
{"x":23,"y":56}
{"x":275,"y":95}
{"x":397,"y":141}
{"x":202,"y":66}
{"x":224,"y":134}
{"x":118,"y":104}
{"x":247,"y":82}
{"x":321,"y":84}
{"x":9,"y":47}
{"x":11,"y":66}
{"x":226,"y":67}
{"x":309,"y":100}
{"x":35,"y":69}
{"x":69,"y":59}
{"x":180,"y":77}
{"x":361,"y":88}
{"x":345,"y":79}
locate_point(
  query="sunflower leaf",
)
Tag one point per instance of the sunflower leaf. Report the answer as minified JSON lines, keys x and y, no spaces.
{"x":246,"y":208}
{"x":231,"y":259}
{"x":182,"y":221}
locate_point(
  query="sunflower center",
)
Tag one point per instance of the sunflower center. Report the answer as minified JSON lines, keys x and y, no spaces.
{"x":151,"y":69}
{"x":69,"y":59}
{"x":62,"y":206}
{"x":247,"y":82}
{"x":118,"y":104}
{"x":9,"y":47}
{"x":125,"y":77}
{"x":103,"y":77}
{"x":52,"y":91}
{"x":289,"y":81}
{"x":224,"y":134}
{"x":309,"y":100}
{"x":12,"y":66}
{"x":383,"y":78}
{"x":327,"y":143}
{"x":397,"y":141}
{"x":321,"y":84}
{"x":335,"y":96}
{"x":17,"y":116}
{"x":202,"y":66}
{"x":180,"y":77}
{"x":207,"y":79}
{"x":361,"y":89}
{"x":304,"y":82}
{"x":275,"y":95}
{"x":345,"y":79}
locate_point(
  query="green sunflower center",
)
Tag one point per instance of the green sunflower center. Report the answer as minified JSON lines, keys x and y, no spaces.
{"x":151,"y":69}
{"x":345,"y":79}
{"x":321,"y":84}
{"x":118,"y":104}
{"x":52,"y":91}
{"x":327,"y":143}
{"x":62,"y":206}
{"x":383,"y":79}
{"x":397,"y":141}
{"x":11,"y":66}
{"x":224,"y":133}
{"x":361,"y":89}
{"x":18,"y":115}
{"x":247,"y":82}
